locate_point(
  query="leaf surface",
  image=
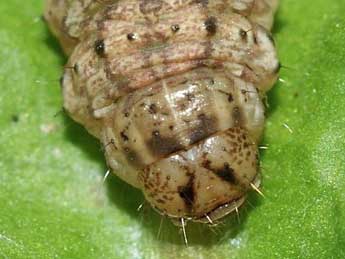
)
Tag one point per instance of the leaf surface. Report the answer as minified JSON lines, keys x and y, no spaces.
{"x":53,"y":203}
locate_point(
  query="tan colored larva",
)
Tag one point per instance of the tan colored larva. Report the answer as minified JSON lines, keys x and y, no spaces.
{"x":173,"y":89}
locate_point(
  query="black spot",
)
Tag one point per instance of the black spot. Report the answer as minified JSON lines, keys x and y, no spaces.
{"x":227,"y":174}
{"x":99,"y":48}
{"x":131,"y":36}
{"x":153,"y":108}
{"x":243,"y":35}
{"x":175,"y":27}
{"x":171,"y":127}
{"x":206,"y":126}
{"x":124,"y":136}
{"x":126,"y":114}
{"x":230,"y":98}
{"x":187,"y":193}
{"x":211,"y":25}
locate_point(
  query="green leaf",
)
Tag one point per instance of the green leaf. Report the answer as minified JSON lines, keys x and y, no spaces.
{"x":53,"y":203}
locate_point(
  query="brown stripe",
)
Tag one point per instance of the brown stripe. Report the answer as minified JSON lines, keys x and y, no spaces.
{"x":162,"y":146}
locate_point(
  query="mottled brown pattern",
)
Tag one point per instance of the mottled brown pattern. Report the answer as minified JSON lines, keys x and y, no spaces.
{"x":175,"y":99}
{"x":212,"y":168}
{"x":150,"y":6}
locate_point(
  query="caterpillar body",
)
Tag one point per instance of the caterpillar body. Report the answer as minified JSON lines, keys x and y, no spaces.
{"x":173,"y":89}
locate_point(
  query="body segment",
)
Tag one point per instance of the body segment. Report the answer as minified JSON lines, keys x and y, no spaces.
{"x":175,"y":99}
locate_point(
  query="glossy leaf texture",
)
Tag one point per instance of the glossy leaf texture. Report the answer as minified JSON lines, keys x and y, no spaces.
{"x":52,"y":200}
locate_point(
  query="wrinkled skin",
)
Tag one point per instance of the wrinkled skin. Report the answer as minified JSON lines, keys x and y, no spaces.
{"x":173,"y":89}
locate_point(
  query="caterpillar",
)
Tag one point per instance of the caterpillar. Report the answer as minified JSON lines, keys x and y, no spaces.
{"x":173,"y":89}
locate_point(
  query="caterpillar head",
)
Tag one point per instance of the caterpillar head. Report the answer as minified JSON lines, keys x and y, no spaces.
{"x":206,"y":182}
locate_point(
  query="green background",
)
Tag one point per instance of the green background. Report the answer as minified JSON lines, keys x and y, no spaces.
{"x":53,"y":203}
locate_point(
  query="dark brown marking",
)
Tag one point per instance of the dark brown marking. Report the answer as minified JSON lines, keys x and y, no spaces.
{"x":206,"y":126}
{"x":153,"y":108}
{"x":99,"y":48}
{"x":206,"y":164}
{"x":255,"y":39}
{"x":131,"y":36}
{"x":124,"y":136}
{"x":175,"y":28}
{"x":211,"y":25}
{"x":243,"y":35}
{"x":162,"y":146}
{"x":160,"y":201}
{"x":187,"y":193}
{"x":226,"y":173}
{"x":230,"y":98}
{"x":246,"y":145}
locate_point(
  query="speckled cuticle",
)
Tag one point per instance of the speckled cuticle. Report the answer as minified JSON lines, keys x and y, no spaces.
{"x":175,"y":99}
